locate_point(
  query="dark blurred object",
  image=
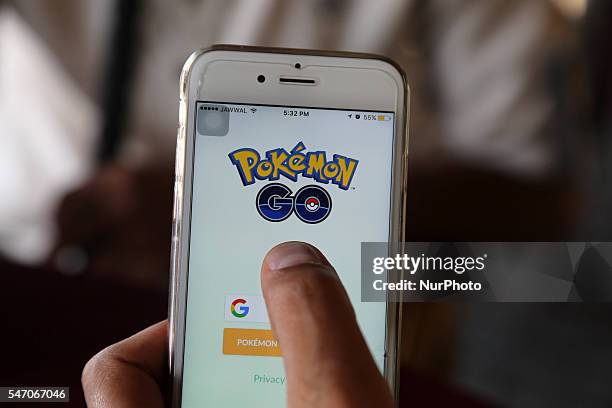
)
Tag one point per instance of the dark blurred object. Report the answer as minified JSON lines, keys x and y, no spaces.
{"x":428,"y":335}
{"x":118,"y":227}
{"x":118,"y":76}
{"x":417,"y":390}
{"x":536,"y":355}
{"x":53,"y":324}
{"x":456,"y":202}
{"x":598,"y":29}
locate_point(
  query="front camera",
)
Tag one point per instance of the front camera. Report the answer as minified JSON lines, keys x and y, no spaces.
{"x":261,"y":79}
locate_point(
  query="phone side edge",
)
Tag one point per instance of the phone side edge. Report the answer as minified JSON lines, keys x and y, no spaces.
{"x":176,"y":326}
{"x":397,"y":220}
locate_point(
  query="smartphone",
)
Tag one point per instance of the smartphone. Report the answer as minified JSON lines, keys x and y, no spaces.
{"x":277,"y":145}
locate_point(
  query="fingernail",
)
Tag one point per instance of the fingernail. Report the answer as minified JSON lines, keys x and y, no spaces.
{"x":291,"y":254}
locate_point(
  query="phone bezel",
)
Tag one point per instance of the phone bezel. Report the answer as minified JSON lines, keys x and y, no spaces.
{"x":191,"y":90}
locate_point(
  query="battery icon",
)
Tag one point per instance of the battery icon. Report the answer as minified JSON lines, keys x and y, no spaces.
{"x":383,"y":118}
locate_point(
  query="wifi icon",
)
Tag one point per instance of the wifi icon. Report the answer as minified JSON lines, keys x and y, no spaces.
{"x":253,"y":110}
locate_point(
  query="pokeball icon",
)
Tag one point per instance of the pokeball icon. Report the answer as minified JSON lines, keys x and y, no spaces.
{"x":311,"y":204}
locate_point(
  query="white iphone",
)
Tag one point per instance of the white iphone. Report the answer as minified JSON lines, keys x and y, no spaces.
{"x":277,"y":145}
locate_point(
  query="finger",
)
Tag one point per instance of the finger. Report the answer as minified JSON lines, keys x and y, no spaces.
{"x":129,"y":373}
{"x":326,"y":358}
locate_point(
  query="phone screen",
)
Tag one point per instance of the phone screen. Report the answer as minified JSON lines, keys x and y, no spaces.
{"x":263,"y":175}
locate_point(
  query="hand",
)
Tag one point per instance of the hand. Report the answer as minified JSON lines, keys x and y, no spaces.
{"x":327,"y":362}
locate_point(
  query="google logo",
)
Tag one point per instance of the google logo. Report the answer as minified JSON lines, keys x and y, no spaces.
{"x":238,"y":309}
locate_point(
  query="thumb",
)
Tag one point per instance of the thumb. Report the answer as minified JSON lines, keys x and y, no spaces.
{"x":326,"y":359}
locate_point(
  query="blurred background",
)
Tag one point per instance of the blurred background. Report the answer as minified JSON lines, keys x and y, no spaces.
{"x":510,"y":141}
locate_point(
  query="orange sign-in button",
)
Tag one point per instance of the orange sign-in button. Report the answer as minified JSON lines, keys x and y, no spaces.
{"x":250,"y":342}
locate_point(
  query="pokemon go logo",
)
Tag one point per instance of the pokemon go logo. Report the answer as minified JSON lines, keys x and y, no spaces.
{"x":311,"y":204}
{"x":279,"y":162}
{"x":276,"y":202}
